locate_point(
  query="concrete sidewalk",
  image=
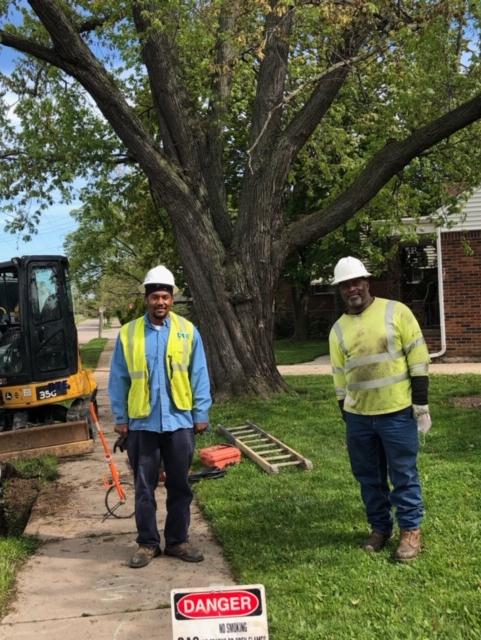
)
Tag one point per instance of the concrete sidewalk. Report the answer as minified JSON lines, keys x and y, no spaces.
{"x":78,"y":585}
{"x":89,"y":329}
{"x":322,"y":366}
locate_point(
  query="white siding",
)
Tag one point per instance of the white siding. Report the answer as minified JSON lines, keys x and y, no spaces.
{"x":469,"y":219}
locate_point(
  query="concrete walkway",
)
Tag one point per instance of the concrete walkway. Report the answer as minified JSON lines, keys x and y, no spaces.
{"x":322,"y":365}
{"x":89,"y":329}
{"x":78,"y":585}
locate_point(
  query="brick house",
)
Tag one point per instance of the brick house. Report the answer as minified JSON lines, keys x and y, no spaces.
{"x":439,"y":278}
{"x":462,"y":292}
{"x":457,"y":333}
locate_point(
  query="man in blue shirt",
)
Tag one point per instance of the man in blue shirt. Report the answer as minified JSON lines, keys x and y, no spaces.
{"x":160,"y":396}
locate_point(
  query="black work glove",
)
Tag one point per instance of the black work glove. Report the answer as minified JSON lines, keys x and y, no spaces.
{"x":121,"y":443}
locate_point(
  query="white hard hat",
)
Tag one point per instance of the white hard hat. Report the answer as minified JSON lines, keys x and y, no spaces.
{"x":348,"y":269}
{"x":160,"y":275}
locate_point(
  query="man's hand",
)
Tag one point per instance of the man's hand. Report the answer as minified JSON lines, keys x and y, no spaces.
{"x":121,"y":443}
{"x":122,"y":429}
{"x":422,"y":417}
{"x":200,"y":427}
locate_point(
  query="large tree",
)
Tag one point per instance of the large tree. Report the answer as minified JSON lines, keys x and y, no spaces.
{"x":215,"y":101}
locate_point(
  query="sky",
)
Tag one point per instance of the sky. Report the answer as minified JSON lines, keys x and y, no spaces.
{"x":55,"y":223}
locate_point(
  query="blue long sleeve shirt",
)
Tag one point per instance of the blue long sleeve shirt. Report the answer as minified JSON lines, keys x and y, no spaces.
{"x":164,"y":415}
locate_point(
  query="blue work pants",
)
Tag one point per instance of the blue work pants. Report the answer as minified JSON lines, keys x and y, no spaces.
{"x":380,"y":447}
{"x":146,"y":450}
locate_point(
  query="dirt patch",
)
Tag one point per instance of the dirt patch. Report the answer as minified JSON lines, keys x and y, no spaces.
{"x":53,"y":495}
{"x":17,"y":498}
{"x":470,"y":402}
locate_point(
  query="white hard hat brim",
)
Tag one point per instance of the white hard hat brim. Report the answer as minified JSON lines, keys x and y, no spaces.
{"x":351,"y":276}
{"x":142,"y":287}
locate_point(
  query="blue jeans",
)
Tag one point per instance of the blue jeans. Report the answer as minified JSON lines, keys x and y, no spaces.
{"x":382,"y":446}
{"x":146,"y":450}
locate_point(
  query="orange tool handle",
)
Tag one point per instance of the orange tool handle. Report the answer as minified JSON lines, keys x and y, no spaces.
{"x":108,"y":455}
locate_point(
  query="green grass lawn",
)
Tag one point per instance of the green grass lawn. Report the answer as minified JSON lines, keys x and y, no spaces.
{"x":299,"y":533}
{"x":90,"y":352}
{"x":290,"y":352}
{"x":13,"y":552}
{"x":15,"y":549}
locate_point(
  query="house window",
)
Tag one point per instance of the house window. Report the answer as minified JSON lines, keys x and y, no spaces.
{"x":419,"y":282}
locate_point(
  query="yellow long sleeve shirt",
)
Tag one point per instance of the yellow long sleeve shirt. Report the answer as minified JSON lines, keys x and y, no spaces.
{"x":374,"y":355}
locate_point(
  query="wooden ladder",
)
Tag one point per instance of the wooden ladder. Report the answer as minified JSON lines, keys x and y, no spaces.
{"x":268,"y":452}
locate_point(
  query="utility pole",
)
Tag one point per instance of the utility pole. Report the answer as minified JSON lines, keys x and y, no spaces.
{"x":101,"y":320}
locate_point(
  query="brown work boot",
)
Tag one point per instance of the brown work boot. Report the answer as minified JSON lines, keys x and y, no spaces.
{"x":409,"y":545}
{"x":143,"y":556}
{"x":183,"y":551}
{"x":376,"y":541}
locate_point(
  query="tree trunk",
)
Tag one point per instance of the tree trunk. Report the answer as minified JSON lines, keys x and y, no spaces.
{"x":300,"y":308}
{"x":233,"y":301}
{"x":238,"y":338}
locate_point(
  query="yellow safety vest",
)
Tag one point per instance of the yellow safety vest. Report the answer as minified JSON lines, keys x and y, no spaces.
{"x":178,"y":353}
{"x":374,"y":355}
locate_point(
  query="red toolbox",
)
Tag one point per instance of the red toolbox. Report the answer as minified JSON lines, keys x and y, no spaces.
{"x":220,"y":455}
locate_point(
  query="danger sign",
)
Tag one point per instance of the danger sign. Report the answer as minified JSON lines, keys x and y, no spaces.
{"x":212,"y":604}
{"x":223,"y":613}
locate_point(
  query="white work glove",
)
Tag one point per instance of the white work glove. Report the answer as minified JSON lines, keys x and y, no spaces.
{"x":422,"y":417}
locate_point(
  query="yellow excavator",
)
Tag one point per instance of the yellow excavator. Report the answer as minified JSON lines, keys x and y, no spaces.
{"x":44,"y":390}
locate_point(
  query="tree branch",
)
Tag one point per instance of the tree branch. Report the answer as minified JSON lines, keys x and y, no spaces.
{"x":214,"y":139}
{"x":173,"y":109}
{"x":322,"y":82}
{"x":330,"y":82}
{"x":73,"y":56}
{"x":128,"y":249}
{"x":116,"y":159}
{"x":270,"y":86}
{"x":30,"y":47}
{"x":258,"y":184}
{"x":327,"y":87}
{"x":385,"y":164}
{"x":90,"y":24}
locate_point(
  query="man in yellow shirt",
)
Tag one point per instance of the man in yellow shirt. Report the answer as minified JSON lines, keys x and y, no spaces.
{"x":380,"y":367}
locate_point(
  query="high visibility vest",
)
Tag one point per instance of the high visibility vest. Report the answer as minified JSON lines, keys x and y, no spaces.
{"x":177,"y":360}
{"x":374,"y":355}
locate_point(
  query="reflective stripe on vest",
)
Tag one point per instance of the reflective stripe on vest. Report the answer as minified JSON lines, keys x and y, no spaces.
{"x":386,"y":356}
{"x":132,"y":337}
{"x":178,"y":352}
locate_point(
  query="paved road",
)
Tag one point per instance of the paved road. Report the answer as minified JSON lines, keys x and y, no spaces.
{"x":89,"y":329}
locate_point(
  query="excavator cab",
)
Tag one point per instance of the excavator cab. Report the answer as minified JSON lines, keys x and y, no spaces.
{"x":42,"y":381}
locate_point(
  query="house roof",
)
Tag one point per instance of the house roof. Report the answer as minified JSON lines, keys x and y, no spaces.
{"x":467,"y":219}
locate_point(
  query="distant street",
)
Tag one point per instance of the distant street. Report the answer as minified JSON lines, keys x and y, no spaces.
{"x":89,"y":329}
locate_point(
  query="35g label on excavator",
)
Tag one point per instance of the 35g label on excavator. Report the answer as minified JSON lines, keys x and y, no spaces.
{"x":52,"y":390}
